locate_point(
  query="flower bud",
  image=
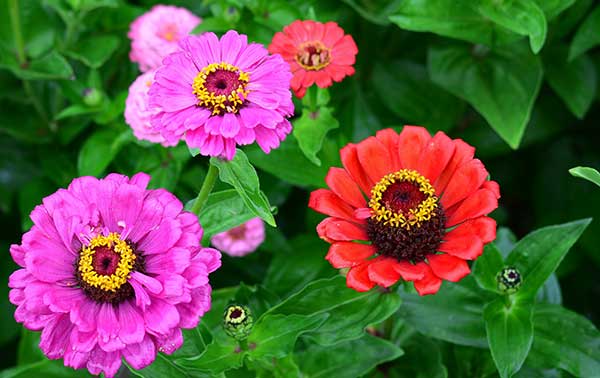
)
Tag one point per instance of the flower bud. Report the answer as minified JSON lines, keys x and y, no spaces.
{"x":92,"y":97}
{"x":238,"y":321}
{"x":509,"y":280}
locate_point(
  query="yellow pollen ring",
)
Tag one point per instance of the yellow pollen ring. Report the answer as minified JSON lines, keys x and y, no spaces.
{"x":106,"y":282}
{"x":220,"y":102}
{"x":422,"y":213}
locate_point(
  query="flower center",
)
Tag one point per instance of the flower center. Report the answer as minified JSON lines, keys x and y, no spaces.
{"x":406,"y":221}
{"x":169,"y":33}
{"x":221,"y":87}
{"x":313,"y":55}
{"x":104,"y":266}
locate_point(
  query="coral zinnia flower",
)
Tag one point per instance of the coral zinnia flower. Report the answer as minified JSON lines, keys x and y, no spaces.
{"x":316,"y":52}
{"x":424,"y":217}
{"x":137,"y":112}
{"x":111,"y":270}
{"x":241,"y":240}
{"x":216,"y":93}
{"x":156,"y":33}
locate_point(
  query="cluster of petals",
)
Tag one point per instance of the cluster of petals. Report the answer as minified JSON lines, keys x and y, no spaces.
{"x":240,"y":240}
{"x":171,"y":292}
{"x":262,"y":115}
{"x":316,"y":52}
{"x":137,"y":112}
{"x":156,"y":33}
{"x":460,"y":181}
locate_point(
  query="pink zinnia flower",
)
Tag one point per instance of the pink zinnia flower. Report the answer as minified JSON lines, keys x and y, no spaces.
{"x":219,"y":93}
{"x":111,"y":270}
{"x":155,"y":34}
{"x":241,"y":240}
{"x":137,"y":112}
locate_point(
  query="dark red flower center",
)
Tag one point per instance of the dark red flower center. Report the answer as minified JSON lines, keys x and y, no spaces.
{"x":238,"y":233}
{"x":402,"y":196}
{"x":105,"y":261}
{"x":222,"y":82}
{"x":221,"y":87}
{"x":313,"y":55}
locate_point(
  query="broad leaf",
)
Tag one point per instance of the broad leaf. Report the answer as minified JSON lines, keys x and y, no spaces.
{"x":95,"y":51}
{"x":487,"y":266}
{"x":162,"y":366}
{"x":48,"y":67}
{"x":99,"y":150}
{"x":240,"y":174}
{"x":43,"y":368}
{"x":310,"y":131}
{"x":509,"y":331}
{"x":375,"y":12}
{"x":538,"y":254}
{"x":587,"y":173}
{"x":501,"y":85}
{"x":332,"y":361}
{"x":422,"y":359}
{"x":553,"y":8}
{"x":587,"y":36}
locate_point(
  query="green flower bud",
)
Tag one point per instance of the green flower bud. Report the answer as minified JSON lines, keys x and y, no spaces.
{"x":509,"y":280}
{"x":92,"y":97}
{"x":238,"y":321}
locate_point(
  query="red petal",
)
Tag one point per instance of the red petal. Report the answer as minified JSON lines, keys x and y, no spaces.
{"x":349,"y":156}
{"x":334,"y":229}
{"x":382,"y":271}
{"x":342,"y":184}
{"x":465,"y":181}
{"x":358,"y":278}
{"x":389,"y":138}
{"x":347,"y":254}
{"x":429,"y":284}
{"x":482,"y":227}
{"x":326,"y":202}
{"x":482,"y":202}
{"x":462,"y":154}
{"x":465,"y":247}
{"x":410,"y":272}
{"x":410,"y":143}
{"x":493,"y":186}
{"x":448,"y":267}
{"x":435,"y":156}
{"x":374,"y":158}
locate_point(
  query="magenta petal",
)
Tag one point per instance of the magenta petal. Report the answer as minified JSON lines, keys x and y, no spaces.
{"x":151,"y":284}
{"x":141,"y":354}
{"x":108,"y":329}
{"x":229,"y":126}
{"x":131,"y":324}
{"x":53,"y":341}
{"x":161,"y":317}
{"x":107,"y":362}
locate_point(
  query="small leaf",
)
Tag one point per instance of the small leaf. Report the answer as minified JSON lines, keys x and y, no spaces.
{"x":587,"y":36}
{"x":240,"y":174}
{"x":220,"y":355}
{"x":487,"y":266}
{"x":587,"y":173}
{"x":501,"y":85}
{"x":553,"y":8}
{"x":310,"y":131}
{"x":100,"y":149}
{"x":539,"y":253}
{"x":96,"y":50}
{"x":48,"y":67}
{"x":509,"y":333}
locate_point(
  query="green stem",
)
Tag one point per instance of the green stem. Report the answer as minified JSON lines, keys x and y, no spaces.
{"x":207,"y":186}
{"x":312,"y":98}
{"x":243,"y":344}
{"x":15,"y":23}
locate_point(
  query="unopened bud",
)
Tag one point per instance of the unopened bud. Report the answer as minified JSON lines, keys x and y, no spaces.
{"x":509,"y":280}
{"x":92,"y":97}
{"x":238,"y":321}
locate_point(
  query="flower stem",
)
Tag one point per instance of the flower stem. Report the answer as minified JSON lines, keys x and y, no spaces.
{"x":243,"y":344}
{"x":312,"y":98}
{"x":15,"y":23}
{"x":207,"y":186}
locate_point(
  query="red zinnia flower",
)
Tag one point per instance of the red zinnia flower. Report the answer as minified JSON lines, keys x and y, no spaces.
{"x":317,"y":53}
{"x":425,"y":214}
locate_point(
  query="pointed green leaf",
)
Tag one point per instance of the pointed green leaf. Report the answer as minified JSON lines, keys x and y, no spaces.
{"x":49,"y":67}
{"x":310,"y":131}
{"x":587,"y":36}
{"x":487,"y":266}
{"x":162,"y":366}
{"x":587,"y":173}
{"x":100,"y":149}
{"x":96,"y":50}
{"x":553,"y":8}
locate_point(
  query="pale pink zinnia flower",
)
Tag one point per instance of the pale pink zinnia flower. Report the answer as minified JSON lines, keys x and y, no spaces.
{"x":241,"y":240}
{"x":137,"y":112}
{"x":111,"y":270}
{"x":155,"y":34}
{"x":218,"y":93}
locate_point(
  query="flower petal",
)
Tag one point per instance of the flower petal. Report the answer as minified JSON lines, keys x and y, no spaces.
{"x":429,"y":284}
{"x":482,"y":202}
{"x":411,"y":141}
{"x":340,"y":182}
{"x":435,"y":156}
{"x":349,"y":156}
{"x":374,"y":158}
{"x":358,"y":278}
{"x":382,"y":271}
{"x":335,"y":229}
{"x":482,"y":227}
{"x":448,"y":267}
{"x":464,"y":182}
{"x":326,"y":202}
{"x":465,"y":247}
{"x":347,"y":254}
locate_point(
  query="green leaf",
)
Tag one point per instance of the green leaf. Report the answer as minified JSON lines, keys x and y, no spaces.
{"x":162,"y":366}
{"x":96,"y":50}
{"x":259,"y":299}
{"x":422,"y":359}
{"x":487,"y":266}
{"x":100,"y":149}
{"x":240,"y":174}
{"x":510,"y":334}
{"x":375,"y":12}
{"x":587,"y":173}
{"x":332,"y":361}
{"x":405,"y":89}
{"x":350,"y":311}
{"x":553,"y":8}
{"x":550,"y":292}
{"x":453,"y":314}
{"x":574,"y":81}
{"x":538,"y":254}
{"x":310,"y":131}
{"x":501,"y":85}
{"x":50,"y":66}
{"x":75,"y":110}
{"x":587,"y":36}
{"x":523,"y":17}
{"x":565,"y":340}
{"x":31,"y":195}
{"x":220,"y":355}
{"x":44,"y":368}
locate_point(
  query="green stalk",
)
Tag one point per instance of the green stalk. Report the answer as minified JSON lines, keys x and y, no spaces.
{"x":207,"y":186}
{"x":15,"y":23}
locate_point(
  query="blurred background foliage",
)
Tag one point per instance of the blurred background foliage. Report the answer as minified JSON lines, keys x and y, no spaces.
{"x":518,"y":80}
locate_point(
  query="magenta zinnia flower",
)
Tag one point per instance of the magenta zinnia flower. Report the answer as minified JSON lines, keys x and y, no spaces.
{"x":241,"y":240}
{"x":219,"y":93}
{"x":111,"y":270}
{"x":137,"y":112}
{"x":155,"y":34}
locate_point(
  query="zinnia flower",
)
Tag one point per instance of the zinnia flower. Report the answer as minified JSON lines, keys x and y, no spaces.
{"x":241,"y":240}
{"x":316,"y":52}
{"x":137,"y":112}
{"x":216,"y":93}
{"x":424,"y":214}
{"x":111,"y":270}
{"x":155,"y":34}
